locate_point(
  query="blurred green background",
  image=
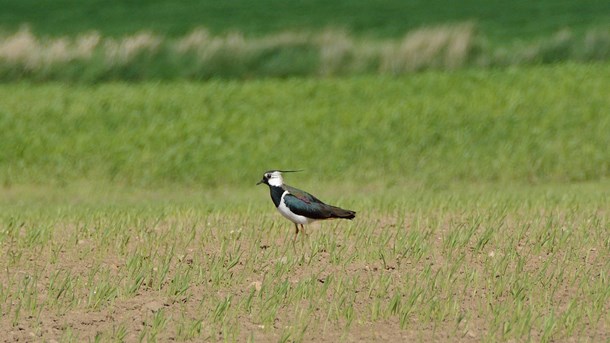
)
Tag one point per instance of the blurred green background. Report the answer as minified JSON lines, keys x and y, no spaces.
{"x":99,"y":41}
{"x":536,"y":125}
{"x":499,"y":92}
{"x":500,"y":20}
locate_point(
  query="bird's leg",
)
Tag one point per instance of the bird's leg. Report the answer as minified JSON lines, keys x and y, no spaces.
{"x":304,"y":233}
{"x":296,"y":226}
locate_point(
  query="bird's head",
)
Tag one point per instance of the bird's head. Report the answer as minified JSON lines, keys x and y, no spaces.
{"x":274,"y":177}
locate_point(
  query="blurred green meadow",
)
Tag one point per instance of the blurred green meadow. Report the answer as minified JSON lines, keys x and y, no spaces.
{"x":528,"y":125}
{"x":97,"y":41}
{"x":129,"y":211}
{"x":502,"y":20}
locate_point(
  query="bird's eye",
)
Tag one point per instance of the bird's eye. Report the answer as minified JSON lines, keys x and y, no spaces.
{"x":267,"y":176}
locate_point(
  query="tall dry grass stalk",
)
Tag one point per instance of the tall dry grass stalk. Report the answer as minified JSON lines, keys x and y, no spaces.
{"x":31,"y":53}
{"x":126,"y":49}
{"x":336,"y":48}
{"x":447,"y":47}
{"x":200,"y":54}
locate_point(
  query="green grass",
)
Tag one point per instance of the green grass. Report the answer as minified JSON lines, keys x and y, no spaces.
{"x":491,"y":263}
{"x":544,"y":124}
{"x":388,"y":18}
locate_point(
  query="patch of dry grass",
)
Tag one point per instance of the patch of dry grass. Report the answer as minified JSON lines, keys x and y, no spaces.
{"x":199,"y":54}
{"x":442,"y":47}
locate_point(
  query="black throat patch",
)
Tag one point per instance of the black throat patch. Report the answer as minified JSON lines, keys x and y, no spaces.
{"x":276,"y":194}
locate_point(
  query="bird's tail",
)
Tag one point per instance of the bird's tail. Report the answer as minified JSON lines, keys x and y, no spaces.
{"x":341,"y":213}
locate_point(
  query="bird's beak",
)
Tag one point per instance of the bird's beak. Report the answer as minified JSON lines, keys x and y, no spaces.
{"x":261,"y":181}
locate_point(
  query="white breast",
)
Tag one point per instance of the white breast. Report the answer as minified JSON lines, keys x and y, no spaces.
{"x":293,"y":217}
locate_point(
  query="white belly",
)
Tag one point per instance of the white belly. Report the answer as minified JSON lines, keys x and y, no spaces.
{"x":295,"y":218}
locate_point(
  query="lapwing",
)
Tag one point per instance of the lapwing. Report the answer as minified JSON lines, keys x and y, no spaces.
{"x":299,"y":206}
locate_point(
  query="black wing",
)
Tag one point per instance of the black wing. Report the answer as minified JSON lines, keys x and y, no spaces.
{"x":305,"y":204}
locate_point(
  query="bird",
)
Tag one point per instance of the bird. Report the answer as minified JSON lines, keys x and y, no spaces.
{"x":299,"y":206}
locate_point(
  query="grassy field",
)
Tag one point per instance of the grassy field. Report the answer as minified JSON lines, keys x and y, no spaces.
{"x":129,"y":212}
{"x":464,"y":264}
{"x":524,"y":125}
{"x":501,"y":20}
